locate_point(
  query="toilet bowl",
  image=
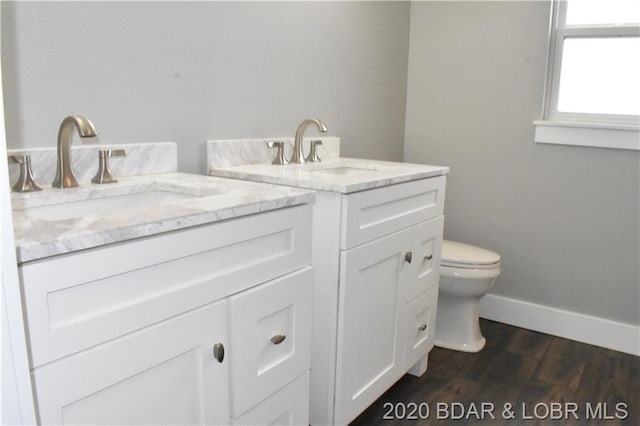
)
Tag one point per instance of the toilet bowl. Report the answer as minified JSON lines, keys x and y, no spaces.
{"x":467,"y":273}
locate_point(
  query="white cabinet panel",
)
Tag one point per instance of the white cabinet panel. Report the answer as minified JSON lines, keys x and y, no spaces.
{"x":270,"y":338}
{"x":164,"y":374}
{"x":370,"y":347}
{"x":287,"y":407}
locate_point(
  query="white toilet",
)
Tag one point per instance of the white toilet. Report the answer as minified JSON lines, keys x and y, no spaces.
{"x":467,"y":273}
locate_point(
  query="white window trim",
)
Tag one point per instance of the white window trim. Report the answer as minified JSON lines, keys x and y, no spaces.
{"x":587,"y":134}
{"x":591,"y":130}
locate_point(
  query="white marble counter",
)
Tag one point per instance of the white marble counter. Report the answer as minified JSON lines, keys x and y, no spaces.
{"x":212,"y":199}
{"x":343,"y":175}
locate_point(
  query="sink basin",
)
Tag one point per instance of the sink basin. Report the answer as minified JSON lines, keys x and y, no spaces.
{"x":345,"y":171}
{"x":104,"y":205}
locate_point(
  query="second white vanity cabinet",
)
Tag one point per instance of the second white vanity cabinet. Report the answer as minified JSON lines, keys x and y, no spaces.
{"x":206,"y":325}
{"x":389,"y":270}
{"x":377,"y":235}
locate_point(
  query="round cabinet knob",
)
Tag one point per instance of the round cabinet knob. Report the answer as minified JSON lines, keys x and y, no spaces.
{"x":218,"y":352}
{"x":278,"y":338}
{"x":408,"y":256}
{"x":428,"y":257}
{"x":422,"y":327}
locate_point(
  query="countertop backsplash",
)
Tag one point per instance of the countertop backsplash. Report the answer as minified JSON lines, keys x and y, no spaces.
{"x":140,"y":159}
{"x":237,"y":152}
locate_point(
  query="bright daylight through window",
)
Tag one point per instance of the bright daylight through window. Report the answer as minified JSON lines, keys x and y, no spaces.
{"x":593,"y":78}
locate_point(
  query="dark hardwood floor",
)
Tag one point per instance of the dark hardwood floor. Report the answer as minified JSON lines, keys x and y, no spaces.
{"x":520,"y":378}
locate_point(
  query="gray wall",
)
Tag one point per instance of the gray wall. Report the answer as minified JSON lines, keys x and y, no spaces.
{"x":186,"y":72}
{"x":564,"y":219}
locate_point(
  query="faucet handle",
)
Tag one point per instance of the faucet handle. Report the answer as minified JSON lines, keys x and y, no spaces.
{"x":103,"y":175}
{"x":26,"y":182}
{"x":313,"y":152}
{"x":280,"y":158}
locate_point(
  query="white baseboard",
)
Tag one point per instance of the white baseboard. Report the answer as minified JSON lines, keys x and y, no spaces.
{"x":597,"y":331}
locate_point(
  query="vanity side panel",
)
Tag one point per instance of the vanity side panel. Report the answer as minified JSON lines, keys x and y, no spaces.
{"x":326,"y":257}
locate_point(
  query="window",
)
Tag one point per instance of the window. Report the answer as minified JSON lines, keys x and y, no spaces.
{"x":593,"y":75}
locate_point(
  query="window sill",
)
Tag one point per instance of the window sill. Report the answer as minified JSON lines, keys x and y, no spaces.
{"x":591,"y":135}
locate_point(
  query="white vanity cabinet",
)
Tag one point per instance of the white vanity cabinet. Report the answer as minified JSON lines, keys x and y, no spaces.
{"x":377,"y":235}
{"x":386,"y":265}
{"x":205,"y":325}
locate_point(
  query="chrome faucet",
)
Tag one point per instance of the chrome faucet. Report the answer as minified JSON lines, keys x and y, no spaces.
{"x":297,"y":156}
{"x":64,"y":173}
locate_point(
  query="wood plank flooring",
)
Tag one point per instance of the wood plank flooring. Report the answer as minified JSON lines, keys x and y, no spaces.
{"x":546,"y":380}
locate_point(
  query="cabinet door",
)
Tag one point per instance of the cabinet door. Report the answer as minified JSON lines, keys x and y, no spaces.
{"x":370,"y":336}
{"x":162,"y":374}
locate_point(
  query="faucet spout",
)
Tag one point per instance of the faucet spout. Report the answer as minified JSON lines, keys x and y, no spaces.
{"x":64,"y":173}
{"x":298,"y":155}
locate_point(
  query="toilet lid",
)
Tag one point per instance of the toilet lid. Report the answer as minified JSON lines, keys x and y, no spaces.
{"x":455,"y":253}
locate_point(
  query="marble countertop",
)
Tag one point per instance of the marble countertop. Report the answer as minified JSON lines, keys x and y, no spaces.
{"x":344,"y":175}
{"x":205,"y":200}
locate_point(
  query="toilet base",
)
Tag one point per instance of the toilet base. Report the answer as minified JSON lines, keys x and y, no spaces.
{"x":458,"y":324}
{"x":476,"y":347}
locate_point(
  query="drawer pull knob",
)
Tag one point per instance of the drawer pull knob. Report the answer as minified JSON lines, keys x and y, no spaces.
{"x":428,"y":257}
{"x":218,"y":352}
{"x":422,"y":327}
{"x":278,"y":338}
{"x":408,"y":256}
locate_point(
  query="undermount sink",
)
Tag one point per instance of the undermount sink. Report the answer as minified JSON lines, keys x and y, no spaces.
{"x":60,"y":210}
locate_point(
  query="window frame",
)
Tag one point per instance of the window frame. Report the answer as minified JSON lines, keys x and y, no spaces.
{"x":584,"y":129}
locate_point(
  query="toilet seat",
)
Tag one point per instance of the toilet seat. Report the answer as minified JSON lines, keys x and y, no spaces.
{"x":466,"y":256}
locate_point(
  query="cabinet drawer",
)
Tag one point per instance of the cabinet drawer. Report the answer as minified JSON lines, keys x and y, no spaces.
{"x":270,"y":329}
{"x":427,"y":253}
{"x":289,"y":406}
{"x":79,"y":300}
{"x":368,"y":215}
{"x":420,"y":326}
